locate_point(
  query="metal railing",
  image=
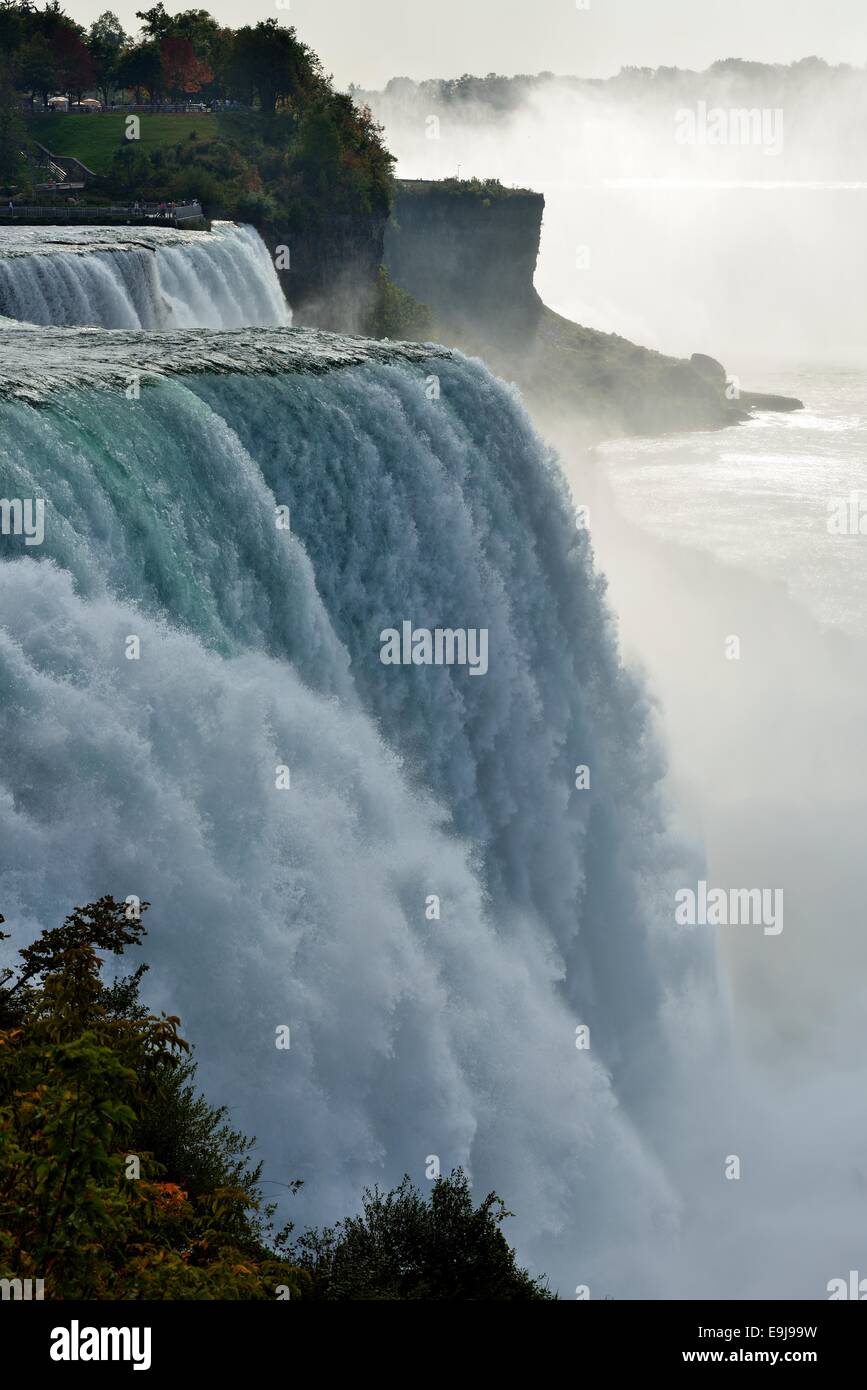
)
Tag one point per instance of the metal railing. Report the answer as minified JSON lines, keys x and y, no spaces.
{"x":153,"y":108}
{"x":165,"y":214}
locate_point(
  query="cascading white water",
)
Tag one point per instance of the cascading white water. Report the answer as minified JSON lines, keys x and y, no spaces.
{"x":260,"y":649}
{"x":306,"y":905}
{"x":153,"y":278}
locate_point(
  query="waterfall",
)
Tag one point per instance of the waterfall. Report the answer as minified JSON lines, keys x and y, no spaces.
{"x":309,"y":906}
{"x":152,"y":278}
{"x":396,"y":862}
{"x":456,"y":891}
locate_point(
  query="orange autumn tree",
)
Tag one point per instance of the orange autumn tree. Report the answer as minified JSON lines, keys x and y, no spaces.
{"x":117,"y":1179}
{"x":182,"y":71}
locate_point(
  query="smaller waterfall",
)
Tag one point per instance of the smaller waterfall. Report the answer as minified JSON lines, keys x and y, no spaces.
{"x":152,"y":278}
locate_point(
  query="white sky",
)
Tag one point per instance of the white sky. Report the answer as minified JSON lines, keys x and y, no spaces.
{"x":368,"y":41}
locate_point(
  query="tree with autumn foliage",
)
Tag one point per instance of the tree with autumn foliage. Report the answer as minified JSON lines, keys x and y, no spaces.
{"x":73,"y":67}
{"x":117,"y":1180}
{"x":183,"y":72}
{"x":44,"y":51}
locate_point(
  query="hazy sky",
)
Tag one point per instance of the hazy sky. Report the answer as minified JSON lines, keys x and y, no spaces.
{"x":368,"y":41}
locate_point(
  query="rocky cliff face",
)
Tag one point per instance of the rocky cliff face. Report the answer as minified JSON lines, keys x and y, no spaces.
{"x":330,"y":281}
{"x":469,"y":251}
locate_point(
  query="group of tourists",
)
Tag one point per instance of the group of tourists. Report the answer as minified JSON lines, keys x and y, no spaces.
{"x":160,"y":210}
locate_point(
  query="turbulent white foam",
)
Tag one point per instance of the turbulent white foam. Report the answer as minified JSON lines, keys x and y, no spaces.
{"x":152,"y":278}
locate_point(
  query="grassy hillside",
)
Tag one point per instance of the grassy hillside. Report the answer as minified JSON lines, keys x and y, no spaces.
{"x":96,"y":139}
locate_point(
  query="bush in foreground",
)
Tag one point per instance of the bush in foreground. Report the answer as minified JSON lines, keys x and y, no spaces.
{"x":118,"y":1180}
{"x":403,"y":1247}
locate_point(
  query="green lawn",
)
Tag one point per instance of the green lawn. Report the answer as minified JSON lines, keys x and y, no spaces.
{"x":95,"y":139}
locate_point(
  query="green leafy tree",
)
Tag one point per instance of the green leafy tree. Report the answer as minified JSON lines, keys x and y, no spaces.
{"x":12,"y":136}
{"x":106,"y":43}
{"x":132,"y":171}
{"x":156,"y":23}
{"x":403,"y":1247}
{"x":140,"y":70}
{"x":271,"y":61}
{"x":199,"y":28}
{"x":37,"y":68}
{"x":14,"y":27}
{"x":107,"y":29}
{"x":318,"y":150}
